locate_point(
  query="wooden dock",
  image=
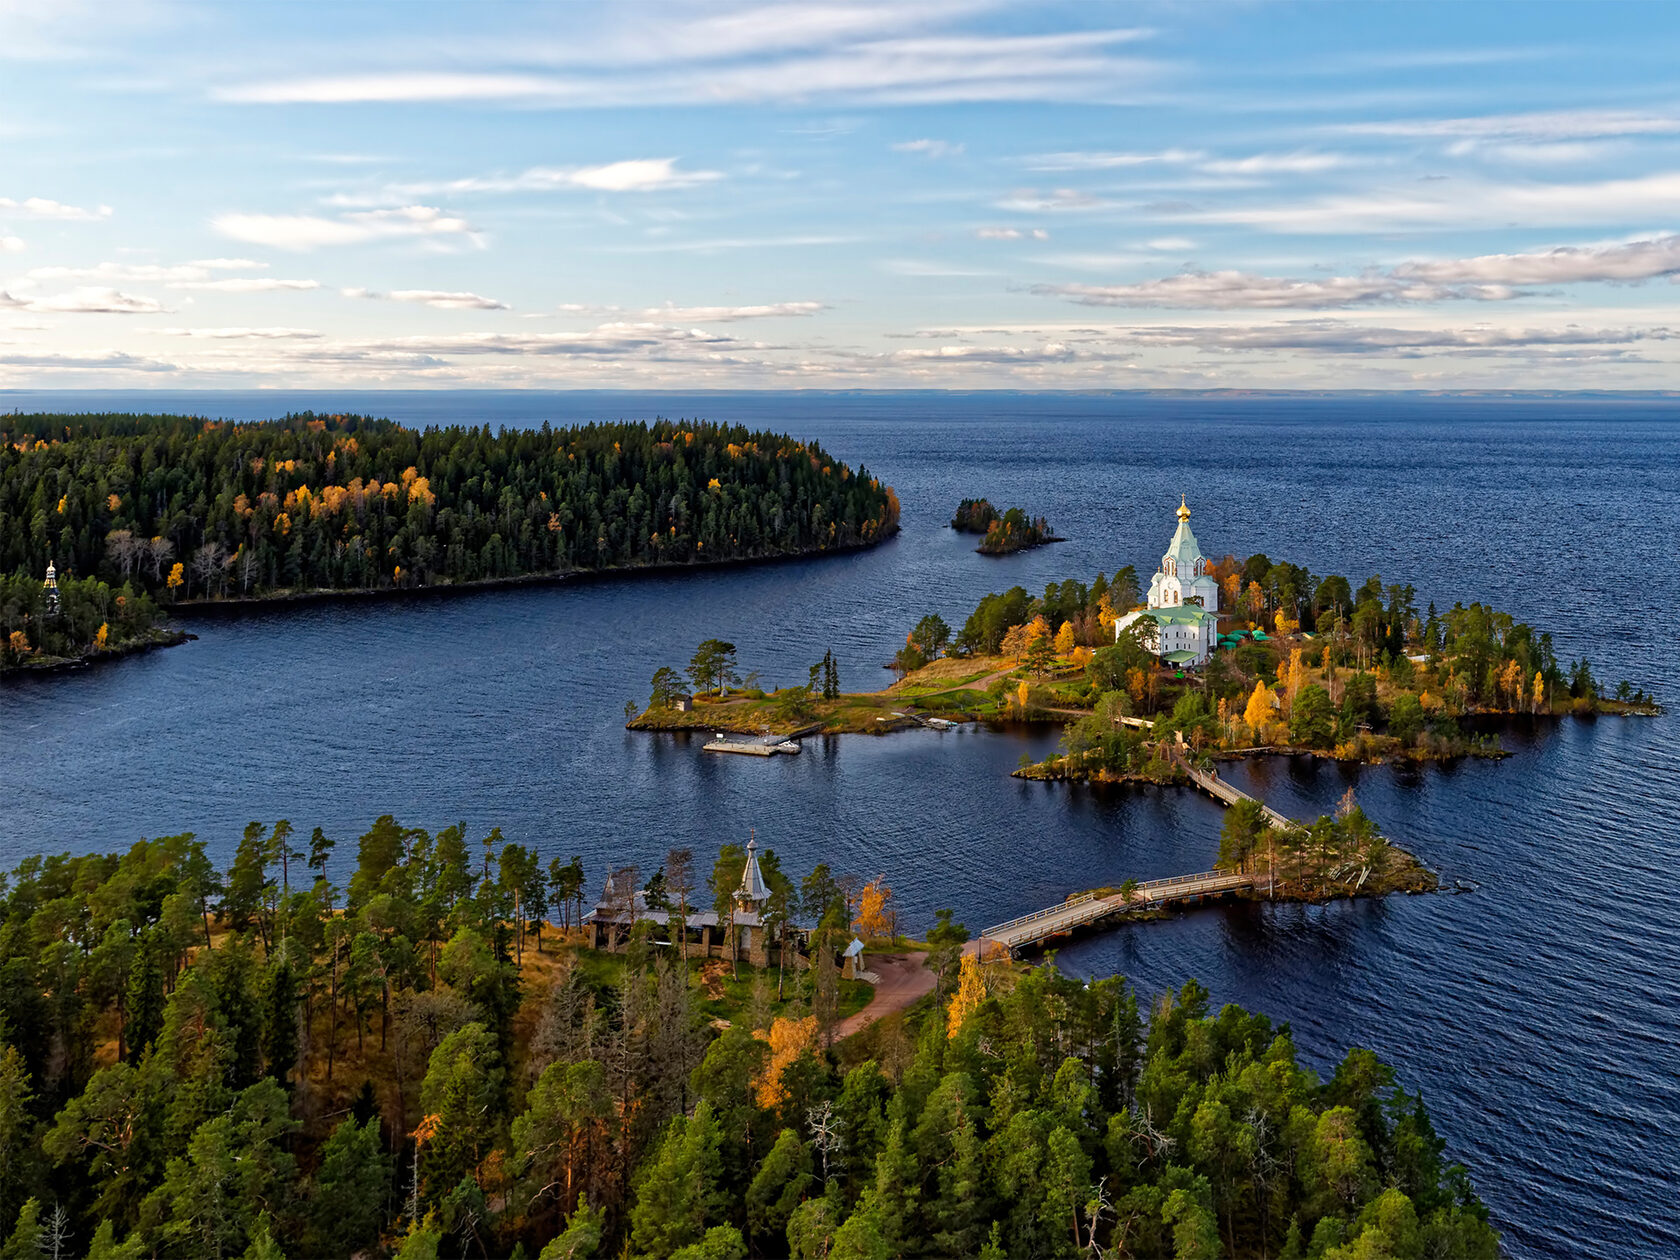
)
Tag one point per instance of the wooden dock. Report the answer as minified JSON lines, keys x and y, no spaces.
{"x":932,"y":723}
{"x":752,"y":745}
{"x":1060,"y":920}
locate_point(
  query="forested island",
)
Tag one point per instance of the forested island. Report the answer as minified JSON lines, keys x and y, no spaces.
{"x":145,"y":513}
{"x":1004,"y":532}
{"x":1373,"y":678}
{"x":430,"y":1062}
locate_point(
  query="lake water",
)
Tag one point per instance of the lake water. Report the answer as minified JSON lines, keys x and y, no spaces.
{"x":1537,"y":1014}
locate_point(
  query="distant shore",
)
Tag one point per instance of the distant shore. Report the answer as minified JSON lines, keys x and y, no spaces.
{"x":234,"y":604}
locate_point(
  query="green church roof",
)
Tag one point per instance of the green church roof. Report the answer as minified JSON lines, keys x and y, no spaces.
{"x":1180,"y":615}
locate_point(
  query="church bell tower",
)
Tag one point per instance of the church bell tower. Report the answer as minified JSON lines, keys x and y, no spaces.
{"x":51,"y":587}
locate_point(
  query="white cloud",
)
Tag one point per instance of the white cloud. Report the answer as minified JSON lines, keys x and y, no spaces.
{"x":714,"y":33}
{"x":1463,"y":204}
{"x":246,"y":284}
{"x":111,"y":360}
{"x":1172,"y":244}
{"x":1275,"y":164}
{"x":731,"y":314}
{"x":929,"y":148}
{"x":901,"y":68}
{"x":1490,"y":277}
{"x":239,"y":334}
{"x":1030,"y":200}
{"x":1327,"y":336}
{"x":1567,"y":264}
{"x":1108,"y":161}
{"x":195,"y":276}
{"x":302,"y":232}
{"x":1095,"y":345}
{"x":441,"y":299}
{"x":1539,"y":153}
{"x":177,"y":275}
{"x":630,"y":175}
{"x":609,"y":340}
{"x":1231,"y":290}
{"x":635,"y":175}
{"x":719,"y":244}
{"x":1049,"y":352}
{"x":395,"y":87}
{"x":1011,"y":234}
{"x":11,"y":245}
{"x":1545,"y":125}
{"x":42,"y":208}
{"x":87,"y":300}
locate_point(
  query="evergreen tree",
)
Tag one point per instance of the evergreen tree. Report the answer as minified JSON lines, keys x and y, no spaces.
{"x":235,"y":1170}
{"x":778,"y":1187}
{"x":582,"y":1236}
{"x":349,"y":1193}
{"x":280,"y":1041}
{"x":464,"y":1090}
{"x":320,"y":852}
{"x":676,"y":1193}
{"x":19,"y":1159}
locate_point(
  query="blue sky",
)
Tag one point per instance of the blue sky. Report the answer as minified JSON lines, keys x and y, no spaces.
{"x":944,"y":194}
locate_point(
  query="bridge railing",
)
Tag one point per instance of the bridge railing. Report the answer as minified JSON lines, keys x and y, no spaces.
{"x":1040,"y":914}
{"x":1147,"y":888}
{"x":1179,"y":880}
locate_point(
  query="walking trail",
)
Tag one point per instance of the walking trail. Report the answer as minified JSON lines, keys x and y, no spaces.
{"x":905,"y":978}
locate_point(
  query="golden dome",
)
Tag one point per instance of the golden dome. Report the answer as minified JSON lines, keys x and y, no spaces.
{"x":1183,"y":509}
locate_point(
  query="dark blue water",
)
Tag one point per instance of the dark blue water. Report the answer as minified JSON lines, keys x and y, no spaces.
{"x":1537,"y":1015}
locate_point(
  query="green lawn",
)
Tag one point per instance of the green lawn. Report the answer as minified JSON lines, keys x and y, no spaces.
{"x":603,"y":970}
{"x":737,"y":991}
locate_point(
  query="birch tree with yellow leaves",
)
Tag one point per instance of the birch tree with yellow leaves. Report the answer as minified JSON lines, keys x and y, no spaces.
{"x":971,"y":992}
{"x":789,"y":1041}
{"x":1259,"y":715}
{"x":875,"y":913}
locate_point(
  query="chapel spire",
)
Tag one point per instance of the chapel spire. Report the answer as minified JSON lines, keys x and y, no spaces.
{"x":753,"y":888}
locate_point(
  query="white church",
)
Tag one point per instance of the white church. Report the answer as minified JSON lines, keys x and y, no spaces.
{"x":1183,"y":600}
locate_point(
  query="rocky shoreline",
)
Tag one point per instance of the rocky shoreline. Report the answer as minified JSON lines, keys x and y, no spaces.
{"x":154,"y":639}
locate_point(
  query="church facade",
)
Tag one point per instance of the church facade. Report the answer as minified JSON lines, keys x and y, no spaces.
{"x":1183,"y":600}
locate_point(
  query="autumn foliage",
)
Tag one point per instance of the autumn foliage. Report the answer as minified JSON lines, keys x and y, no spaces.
{"x":971,"y":991}
{"x":875,"y":913}
{"x":789,"y":1040}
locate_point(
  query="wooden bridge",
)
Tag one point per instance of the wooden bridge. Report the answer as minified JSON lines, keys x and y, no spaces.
{"x":1214,"y":786}
{"x":1060,"y":920}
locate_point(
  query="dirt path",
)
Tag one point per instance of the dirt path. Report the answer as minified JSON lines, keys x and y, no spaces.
{"x":904,"y":979}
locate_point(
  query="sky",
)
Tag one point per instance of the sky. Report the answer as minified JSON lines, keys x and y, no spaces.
{"x":940,"y":194}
